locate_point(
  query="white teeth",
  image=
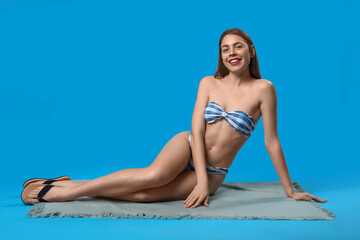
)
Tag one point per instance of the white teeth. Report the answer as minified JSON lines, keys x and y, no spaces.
{"x":235,"y":60}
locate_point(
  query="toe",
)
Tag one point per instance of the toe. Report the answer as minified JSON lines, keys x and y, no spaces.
{"x":33,"y":201}
{"x":33,"y":195}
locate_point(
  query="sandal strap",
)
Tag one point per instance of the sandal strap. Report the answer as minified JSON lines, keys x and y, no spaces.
{"x":43,"y":191}
{"x":27,"y":182}
{"x":49,"y":181}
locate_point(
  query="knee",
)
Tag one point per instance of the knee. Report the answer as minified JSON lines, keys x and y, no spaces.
{"x":158,"y":178}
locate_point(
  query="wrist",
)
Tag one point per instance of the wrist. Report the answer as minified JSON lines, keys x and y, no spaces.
{"x":203,"y":181}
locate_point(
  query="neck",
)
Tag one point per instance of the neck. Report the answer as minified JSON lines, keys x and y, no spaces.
{"x":235,"y":78}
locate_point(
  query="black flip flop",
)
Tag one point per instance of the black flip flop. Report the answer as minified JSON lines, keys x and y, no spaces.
{"x":30,"y":188}
{"x":47,"y":181}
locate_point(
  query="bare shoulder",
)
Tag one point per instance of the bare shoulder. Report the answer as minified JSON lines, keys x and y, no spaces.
{"x":209,"y":79}
{"x":264,"y":84}
{"x":264,"y":87}
{"x":266,"y":91}
{"x":207,"y":82}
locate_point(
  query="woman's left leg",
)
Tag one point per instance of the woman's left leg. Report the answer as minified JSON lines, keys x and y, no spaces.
{"x":167,"y":166}
{"x":122,"y":181}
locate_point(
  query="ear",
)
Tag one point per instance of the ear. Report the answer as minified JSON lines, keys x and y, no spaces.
{"x":252,"y":49}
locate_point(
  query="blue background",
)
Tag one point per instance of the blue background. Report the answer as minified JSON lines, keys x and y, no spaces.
{"x":91,"y":87}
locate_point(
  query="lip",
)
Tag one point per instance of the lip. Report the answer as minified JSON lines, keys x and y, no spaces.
{"x":233,"y":59}
{"x":236,"y":63}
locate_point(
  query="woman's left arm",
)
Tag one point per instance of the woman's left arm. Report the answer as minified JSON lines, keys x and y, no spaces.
{"x":268,"y":108}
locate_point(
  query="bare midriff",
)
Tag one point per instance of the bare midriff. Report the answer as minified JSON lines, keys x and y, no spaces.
{"x":222,"y":143}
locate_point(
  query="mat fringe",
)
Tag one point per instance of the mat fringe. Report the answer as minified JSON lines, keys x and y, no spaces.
{"x":37,"y":212}
{"x":298,"y":188}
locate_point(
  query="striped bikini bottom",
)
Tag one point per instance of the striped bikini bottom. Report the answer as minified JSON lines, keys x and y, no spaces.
{"x":211,"y":169}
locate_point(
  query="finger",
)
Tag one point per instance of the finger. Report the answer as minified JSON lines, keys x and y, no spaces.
{"x":191,"y":202}
{"x":194,"y":201}
{"x":206,"y":203}
{"x":318,"y":199}
{"x":197,"y":203}
{"x":311,"y":196}
{"x":188,"y":198}
{"x":305,"y":198}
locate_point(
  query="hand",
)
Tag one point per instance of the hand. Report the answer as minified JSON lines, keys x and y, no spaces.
{"x":306,"y":197}
{"x":198,"y":195}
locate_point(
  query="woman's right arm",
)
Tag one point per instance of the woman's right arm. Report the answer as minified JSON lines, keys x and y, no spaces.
{"x":198,"y":132}
{"x":200,"y":193}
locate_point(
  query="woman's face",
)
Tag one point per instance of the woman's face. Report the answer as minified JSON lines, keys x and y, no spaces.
{"x":235,"y":53}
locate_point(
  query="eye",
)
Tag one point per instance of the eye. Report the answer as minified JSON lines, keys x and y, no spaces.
{"x":239,"y":46}
{"x":225,"y":50}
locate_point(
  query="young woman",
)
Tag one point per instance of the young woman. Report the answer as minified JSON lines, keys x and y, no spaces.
{"x":193,"y":165}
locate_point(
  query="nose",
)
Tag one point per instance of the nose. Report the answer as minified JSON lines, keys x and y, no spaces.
{"x":232,"y":51}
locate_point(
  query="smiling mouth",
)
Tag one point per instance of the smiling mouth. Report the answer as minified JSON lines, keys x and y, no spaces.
{"x":235,"y":61}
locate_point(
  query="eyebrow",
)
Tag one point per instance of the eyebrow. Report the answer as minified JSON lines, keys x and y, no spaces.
{"x":233,"y":44}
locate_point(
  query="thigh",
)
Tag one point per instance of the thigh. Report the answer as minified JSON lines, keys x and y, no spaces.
{"x":172,"y":159}
{"x":178,"y":189}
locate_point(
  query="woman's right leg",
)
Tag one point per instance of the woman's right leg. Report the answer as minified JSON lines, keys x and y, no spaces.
{"x":171,"y":161}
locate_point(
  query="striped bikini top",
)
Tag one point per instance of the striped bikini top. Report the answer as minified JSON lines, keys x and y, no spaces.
{"x":238,"y":120}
